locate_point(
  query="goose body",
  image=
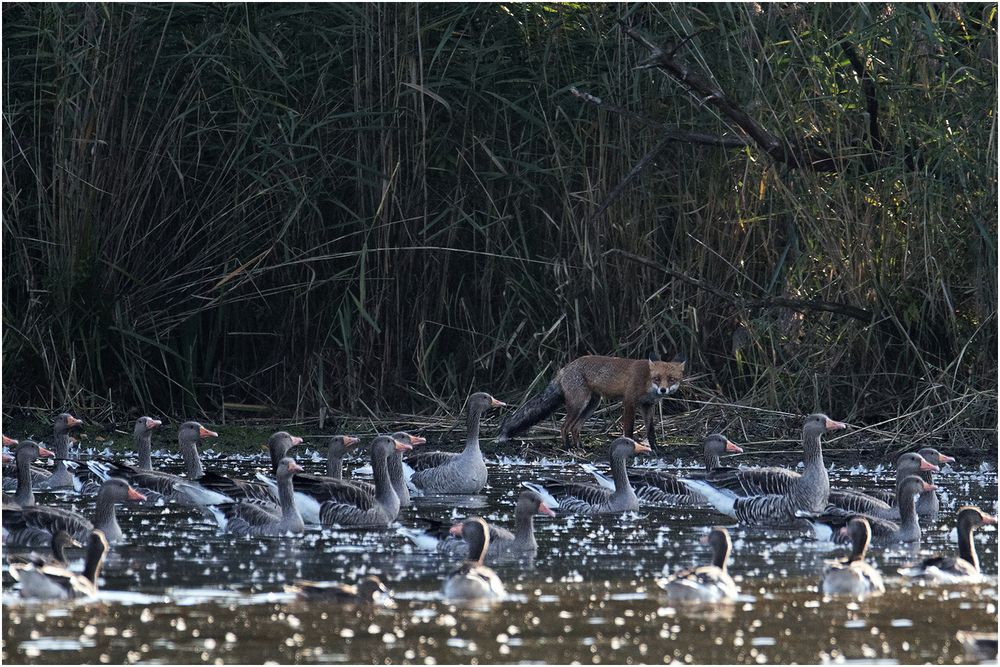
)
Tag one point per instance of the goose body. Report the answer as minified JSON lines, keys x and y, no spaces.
{"x":446,"y":472}
{"x":258,"y":491}
{"x":253,"y":518}
{"x":853,"y":575}
{"x":57,"y":556}
{"x":706,"y":583}
{"x":55,"y":582}
{"x":473,"y":580}
{"x":26,"y":452}
{"x":825,"y":524}
{"x":59,"y":477}
{"x":963,"y":567}
{"x":370,"y":591}
{"x":928,"y":502}
{"x":870,"y":505}
{"x":584,"y":498}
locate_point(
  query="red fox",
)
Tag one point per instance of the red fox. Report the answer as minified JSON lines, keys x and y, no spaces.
{"x":583,"y":382}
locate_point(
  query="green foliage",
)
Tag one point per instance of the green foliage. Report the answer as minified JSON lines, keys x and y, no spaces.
{"x":370,"y":206}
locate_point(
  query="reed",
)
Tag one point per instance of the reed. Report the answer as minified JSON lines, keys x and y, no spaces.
{"x":384,"y":207}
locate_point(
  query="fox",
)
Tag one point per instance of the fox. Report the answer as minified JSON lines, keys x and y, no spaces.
{"x":581,"y":384}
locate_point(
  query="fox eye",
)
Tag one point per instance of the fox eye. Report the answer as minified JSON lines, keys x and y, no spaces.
{"x":656,"y":378}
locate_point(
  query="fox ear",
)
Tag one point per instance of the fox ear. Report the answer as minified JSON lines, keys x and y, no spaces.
{"x":680,"y":358}
{"x":653,"y":356}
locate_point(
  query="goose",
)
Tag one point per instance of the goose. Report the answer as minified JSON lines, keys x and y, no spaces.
{"x":659,"y":486}
{"x":183,"y":490}
{"x":773,"y":496}
{"x":142,"y":434}
{"x":584,"y":498}
{"x":55,"y":582}
{"x":706,"y":583}
{"x":853,"y":575}
{"x":61,"y":540}
{"x":504,"y":545}
{"x":928,"y":503}
{"x":263,"y":519}
{"x":26,"y":452}
{"x":344,"y":504}
{"x":370,"y":591}
{"x":34,"y":526}
{"x":862,"y":503}
{"x":337,"y":450}
{"x":825,"y":523}
{"x":235,"y":489}
{"x":955,"y":569}
{"x":59,"y":477}
{"x":450,"y":472}
{"x":472,"y":580}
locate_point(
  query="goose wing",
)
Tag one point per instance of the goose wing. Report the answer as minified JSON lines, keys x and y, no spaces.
{"x":35,"y":525}
{"x":753,"y":481}
{"x":237,"y":489}
{"x":326,"y":489}
{"x":428,"y":460}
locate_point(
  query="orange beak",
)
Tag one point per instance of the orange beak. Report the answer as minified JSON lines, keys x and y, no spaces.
{"x":946,"y":459}
{"x":642,"y":448}
{"x":417,"y":440}
{"x":402,"y":446}
{"x":135,"y":495}
{"x":350,"y":440}
{"x":733,"y":448}
{"x":929,"y":467}
{"x":834,"y":426}
{"x":294,"y":467}
{"x":929,"y":487}
{"x":456,"y":530}
{"x":545,"y":509}
{"x":205,"y":433}
{"x":9,"y":442}
{"x":987,"y":518}
{"x":498,"y":404}
{"x":45,"y":453}
{"x":296,"y":440}
{"x":73,"y":421}
{"x":153,"y":423}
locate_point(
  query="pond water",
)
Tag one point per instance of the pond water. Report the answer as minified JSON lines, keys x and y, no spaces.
{"x":179,"y":591}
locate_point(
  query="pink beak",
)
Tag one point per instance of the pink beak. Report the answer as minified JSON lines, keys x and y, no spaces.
{"x":733,"y":448}
{"x":833,"y":425}
{"x":946,"y":459}
{"x":45,"y":453}
{"x":545,"y":509}
{"x":350,"y":440}
{"x":294,"y":467}
{"x":153,"y":423}
{"x":9,"y":442}
{"x":135,"y":495}
{"x":456,"y":530}
{"x":929,"y":467}
{"x":296,"y":440}
{"x":417,"y":440}
{"x":929,"y":487}
{"x":205,"y":433}
{"x":402,"y":446}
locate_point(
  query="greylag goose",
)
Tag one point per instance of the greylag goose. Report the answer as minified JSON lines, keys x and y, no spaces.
{"x":504,"y":545}
{"x":55,"y":582}
{"x":335,"y":453}
{"x":249,"y":517}
{"x":34,"y":526}
{"x":826,"y":523}
{"x":278,"y":446}
{"x":961,"y":568}
{"x":183,"y":490}
{"x":450,"y":472}
{"x":26,"y":452}
{"x":370,"y":591}
{"x":862,"y":503}
{"x":773,"y":496}
{"x":583,"y":498}
{"x":59,"y":477}
{"x":853,"y":575}
{"x":472,"y":580}
{"x":659,"y":486}
{"x":345,"y":504}
{"x":706,"y":583}
{"x":60,"y":541}
{"x":927,"y":503}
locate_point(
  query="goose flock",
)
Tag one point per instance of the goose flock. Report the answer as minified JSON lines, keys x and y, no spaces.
{"x":286,"y":499}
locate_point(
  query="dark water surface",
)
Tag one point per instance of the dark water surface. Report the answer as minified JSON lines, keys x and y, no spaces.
{"x":179,"y":591}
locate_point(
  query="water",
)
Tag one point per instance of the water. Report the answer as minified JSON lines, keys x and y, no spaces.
{"x":181,"y":592}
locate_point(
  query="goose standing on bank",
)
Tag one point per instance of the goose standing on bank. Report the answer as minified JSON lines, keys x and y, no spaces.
{"x":825,"y":524}
{"x":504,"y":545}
{"x":706,"y":583}
{"x":450,"y":472}
{"x":853,"y":575}
{"x":473,"y":580}
{"x":863,"y":503}
{"x":774,"y":496}
{"x":956,"y":569}
{"x":666,"y":488}
{"x":26,"y":452}
{"x":183,"y":490}
{"x":250,"y":517}
{"x":584,"y":498}
{"x":34,"y":526}
{"x":55,"y":582}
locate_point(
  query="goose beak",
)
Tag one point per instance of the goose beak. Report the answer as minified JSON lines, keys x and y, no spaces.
{"x":989,"y":519}
{"x":350,"y":440}
{"x":265,"y":448}
{"x":9,"y":442}
{"x":943,"y":458}
{"x":402,"y":446}
{"x":75,"y":543}
{"x":929,"y":487}
{"x":928,"y":466}
{"x":135,"y":495}
{"x":545,"y":509}
{"x":294,"y":467}
{"x":296,"y":440}
{"x":642,"y":448}
{"x":7,"y":458}
{"x":417,"y":440}
{"x":73,"y":421}
{"x":45,"y":453}
{"x":733,"y":448}
{"x":456,"y":530}
{"x":153,"y":423}
{"x":498,"y":404}
{"x":205,"y":433}
{"x":833,"y":425}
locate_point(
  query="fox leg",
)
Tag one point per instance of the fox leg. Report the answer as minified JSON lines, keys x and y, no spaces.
{"x":648,"y":413}
{"x":628,"y":418}
{"x":578,"y":399}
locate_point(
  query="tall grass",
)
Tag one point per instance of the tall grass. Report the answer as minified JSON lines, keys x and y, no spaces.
{"x":371,"y":207}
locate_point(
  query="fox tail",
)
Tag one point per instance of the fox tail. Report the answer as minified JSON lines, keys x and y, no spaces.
{"x":533,"y":411}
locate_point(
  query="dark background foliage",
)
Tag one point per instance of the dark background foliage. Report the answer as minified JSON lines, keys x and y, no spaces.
{"x":383,"y":207}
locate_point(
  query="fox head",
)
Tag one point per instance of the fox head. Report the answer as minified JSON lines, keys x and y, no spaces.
{"x":665,"y":376}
